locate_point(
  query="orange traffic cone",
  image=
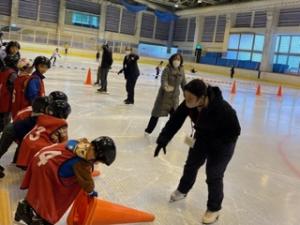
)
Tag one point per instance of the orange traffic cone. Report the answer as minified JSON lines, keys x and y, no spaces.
{"x":88,"y":79}
{"x":279,"y":92}
{"x":233,"y":88}
{"x":93,"y":211}
{"x":96,"y":173}
{"x":258,"y":91}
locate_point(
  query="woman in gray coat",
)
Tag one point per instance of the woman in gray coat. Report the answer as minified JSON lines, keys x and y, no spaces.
{"x":167,"y":99}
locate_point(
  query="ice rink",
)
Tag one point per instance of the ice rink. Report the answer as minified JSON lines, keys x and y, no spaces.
{"x":262,"y":182}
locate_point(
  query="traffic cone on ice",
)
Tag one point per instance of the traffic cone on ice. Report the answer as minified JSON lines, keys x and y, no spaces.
{"x":279,"y":92}
{"x":96,"y":173}
{"x":93,"y":211}
{"x":88,"y":80}
{"x":258,"y":91}
{"x":233,"y":88}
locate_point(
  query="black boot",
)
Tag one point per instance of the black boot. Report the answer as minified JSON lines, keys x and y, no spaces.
{"x":24,"y":212}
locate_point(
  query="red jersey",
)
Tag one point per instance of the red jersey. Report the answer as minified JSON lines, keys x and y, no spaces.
{"x":23,"y":114}
{"x":48,"y":194}
{"x":38,"y":138}
{"x":19,"y":101}
{"x":5,"y":95}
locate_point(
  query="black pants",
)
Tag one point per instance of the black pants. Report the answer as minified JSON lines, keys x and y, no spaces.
{"x":54,"y":60}
{"x":4,"y":120}
{"x":153,"y":122}
{"x":103,"y":75}
{"x":7,"y":138}
{"x":130,"y":85}
{"x":98,"y":75}
{"x":217,"y":159}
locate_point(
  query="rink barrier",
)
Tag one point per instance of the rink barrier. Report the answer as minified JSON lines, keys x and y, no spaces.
{"x":254,"y":86}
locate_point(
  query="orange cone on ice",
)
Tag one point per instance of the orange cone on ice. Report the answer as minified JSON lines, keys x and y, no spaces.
{"x":258,"y":91}
{"x":96,"y":173}
{"x":279,"y":92}
{"x":233,"y":88}
{"x":88,"y":79}
{"x":93,"y":211}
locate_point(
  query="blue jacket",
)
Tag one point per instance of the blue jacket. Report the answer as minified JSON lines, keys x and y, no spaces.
{"x":33,"y":86}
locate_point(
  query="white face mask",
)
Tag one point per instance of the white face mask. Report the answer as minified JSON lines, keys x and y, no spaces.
{"x":176,"y":63}
{"x":127,"y":52}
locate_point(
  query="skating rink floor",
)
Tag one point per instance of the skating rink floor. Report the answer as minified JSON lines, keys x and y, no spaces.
{"x":262,"y":182}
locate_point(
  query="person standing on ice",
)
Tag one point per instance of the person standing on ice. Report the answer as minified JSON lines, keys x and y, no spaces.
{"x":106,"y":63}
{"x":167,"y":100}
{"x":215,"y":130}
{"x":54,"y":56}
{"x":131,"y":73}
{"x":56,"y":175}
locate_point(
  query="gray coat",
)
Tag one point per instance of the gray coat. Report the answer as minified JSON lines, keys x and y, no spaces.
{"x":167,"y":100}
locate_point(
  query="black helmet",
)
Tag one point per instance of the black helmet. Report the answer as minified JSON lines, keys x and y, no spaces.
{"x":40,"y":103}
{"x":12,"y":60}
{"x":105,"y":150}
{"x":59,"y":108}
{"x":58,"y":95}
{"x":42,"y":60}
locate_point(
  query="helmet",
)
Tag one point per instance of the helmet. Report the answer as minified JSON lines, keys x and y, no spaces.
{"x":24,"y":63}
{"x":58,"y":95}
{"x":40,"y":103}
{"x":42,"y":60}
{"x":59,"y":108}
{"x":105,"y":149}
{"x":12,"y":60}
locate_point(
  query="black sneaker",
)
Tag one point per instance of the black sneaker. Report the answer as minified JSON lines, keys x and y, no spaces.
{"x":128,"y":102}
{"x":100,"y":90}
{"x":24,"y":212}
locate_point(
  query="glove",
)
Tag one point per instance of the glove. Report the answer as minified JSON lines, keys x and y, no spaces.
{"x":158,"y":148}
{"x":93,"y":194}
{"x":169,"y":88}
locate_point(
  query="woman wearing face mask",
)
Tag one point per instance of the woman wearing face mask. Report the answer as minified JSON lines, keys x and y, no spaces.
{"x":215,"y":129}
{"x":131,"y":73}
{"x":167,"y":99}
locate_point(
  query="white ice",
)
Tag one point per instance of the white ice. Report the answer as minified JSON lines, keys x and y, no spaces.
{"x":262,"y":182}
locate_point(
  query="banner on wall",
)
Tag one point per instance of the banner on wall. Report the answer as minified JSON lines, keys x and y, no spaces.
{"x":165,"y":16}
{"x":133,"y":7}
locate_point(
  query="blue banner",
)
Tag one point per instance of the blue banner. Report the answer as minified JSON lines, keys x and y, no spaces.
{"x":134,"y":7}
{"x":165,"y":16}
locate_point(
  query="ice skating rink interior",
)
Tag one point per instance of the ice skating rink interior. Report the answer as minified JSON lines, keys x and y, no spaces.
{"x":262,"y":182}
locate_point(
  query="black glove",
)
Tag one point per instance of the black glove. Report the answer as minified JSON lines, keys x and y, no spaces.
{"x":158,"y":148}
{"x":93,"y":194}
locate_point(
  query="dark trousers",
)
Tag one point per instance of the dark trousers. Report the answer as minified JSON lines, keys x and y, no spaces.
{"x":217,"y":160}
{"x":54,"y":60}
{"x":130,"y":85}
{"x":7,"y":138}
{"x":103,"y":76}
{"x":153,"y":122}
{"x":98,"y":75}
{"x":4,"y":120}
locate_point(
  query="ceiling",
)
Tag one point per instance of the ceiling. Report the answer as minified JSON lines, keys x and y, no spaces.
{"x":187,"y":4}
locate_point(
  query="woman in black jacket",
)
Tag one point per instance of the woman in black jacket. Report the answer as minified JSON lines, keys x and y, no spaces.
{"x":215,"y":132}
{"x":131,"y":73}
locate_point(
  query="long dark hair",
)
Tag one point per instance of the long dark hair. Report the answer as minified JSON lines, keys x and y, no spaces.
{"x":173,"y":57}
{"x":197,"y":87}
